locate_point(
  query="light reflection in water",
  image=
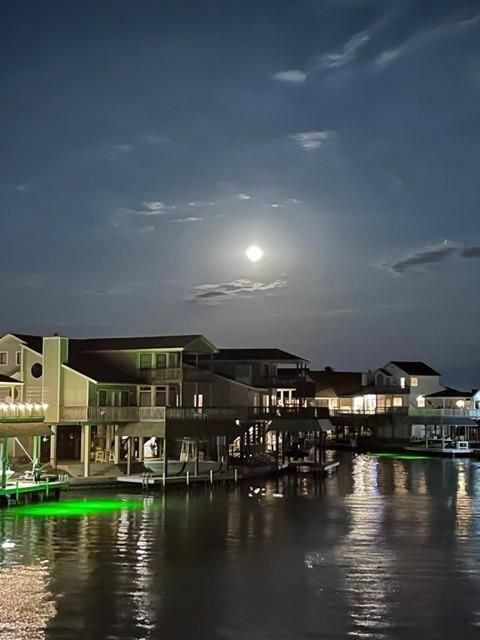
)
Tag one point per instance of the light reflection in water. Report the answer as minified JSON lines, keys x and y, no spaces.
{"x":26,"y":604}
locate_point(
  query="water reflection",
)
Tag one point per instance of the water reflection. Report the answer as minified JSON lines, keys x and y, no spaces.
{"x":385,"y":549}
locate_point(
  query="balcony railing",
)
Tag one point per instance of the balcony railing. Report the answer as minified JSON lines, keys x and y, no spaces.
{"x":204,"y":413}
{"x":378,"y":411}
{"x":268,"y":413}
{"x":192,"y":374}
{"x":162,"y":375}
{"x":151,"y":414}
{"x":446,"y":413}
{"x":22,"y":411}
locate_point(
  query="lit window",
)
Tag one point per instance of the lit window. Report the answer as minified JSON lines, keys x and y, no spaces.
{"x":402,"y":382}
{"x":398,"y":401}
{"x":420,"y":401}
{"x":3,"y":357}
{"x":414,"y":382}
{"x":460,"y":404}
{"x":18,"y":357}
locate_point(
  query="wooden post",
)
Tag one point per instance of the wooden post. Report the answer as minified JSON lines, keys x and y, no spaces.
{"x":141,"y":444}
{"x":4,"y":461}
{"x":165,"y":457}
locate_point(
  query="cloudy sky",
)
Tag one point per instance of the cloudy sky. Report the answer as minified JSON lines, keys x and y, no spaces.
{"x":146,"y":144}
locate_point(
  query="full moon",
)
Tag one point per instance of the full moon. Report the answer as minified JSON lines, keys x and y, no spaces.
{"x":254,"y":253}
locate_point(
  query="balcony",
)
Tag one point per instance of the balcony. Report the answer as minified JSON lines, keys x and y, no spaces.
{"x":377,"y":411}
{"x":100,"y":415}
{"x":293,"y":412}
{"x":22,"y":412}
{"x":192,"y":374}
{"x":157,"y":376}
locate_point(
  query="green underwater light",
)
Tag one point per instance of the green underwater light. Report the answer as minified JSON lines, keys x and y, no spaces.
{"x":398,"y":456}
{"x":75,"y":508}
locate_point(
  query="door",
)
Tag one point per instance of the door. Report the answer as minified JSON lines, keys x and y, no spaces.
{"x":68,"y":442}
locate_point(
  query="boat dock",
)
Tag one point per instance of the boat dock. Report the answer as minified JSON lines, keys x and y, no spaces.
{"x":24,"y":492}
{"x":147,"y":480}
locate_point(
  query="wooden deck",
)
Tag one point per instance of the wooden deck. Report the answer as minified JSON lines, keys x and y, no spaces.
{"x":22,"y":492}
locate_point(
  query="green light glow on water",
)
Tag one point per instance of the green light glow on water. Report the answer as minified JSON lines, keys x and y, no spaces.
{"x":398,"y":456}
{"x":75,"y":508}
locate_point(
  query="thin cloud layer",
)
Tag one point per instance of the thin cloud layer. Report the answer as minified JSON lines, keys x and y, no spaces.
{"x":433,"y":255}
{"x":311,"y":140}
{"x":240,"y":288}
{"x":424,"y":38}
{"x":188,"y":219}
{"x":348,"y":53}
{"x":243,"y":196}
{"x":295,"y":76}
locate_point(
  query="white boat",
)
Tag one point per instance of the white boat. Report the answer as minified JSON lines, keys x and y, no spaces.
{"x":441,"y":447}
{"x":177,"y":467}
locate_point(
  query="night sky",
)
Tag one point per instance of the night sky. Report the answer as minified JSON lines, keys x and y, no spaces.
{"x":146,"y":144}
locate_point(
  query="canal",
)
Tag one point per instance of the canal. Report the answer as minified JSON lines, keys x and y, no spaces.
{"x":387,"y":548}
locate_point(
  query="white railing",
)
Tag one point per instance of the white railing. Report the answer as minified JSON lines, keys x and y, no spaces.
{"x":112,"y":414}
{"x":22,"y":410}
{"x":151,"y":414}
{"x":446,"y":413}
{"x":204,"y":413}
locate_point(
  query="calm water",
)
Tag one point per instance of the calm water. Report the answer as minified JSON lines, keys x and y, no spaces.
{"x":385,"y":549}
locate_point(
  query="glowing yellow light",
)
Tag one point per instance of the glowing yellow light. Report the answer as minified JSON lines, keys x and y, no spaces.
{"x":254,"y":253}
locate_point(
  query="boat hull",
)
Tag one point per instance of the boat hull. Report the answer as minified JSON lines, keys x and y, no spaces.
{"x":439,"y":452}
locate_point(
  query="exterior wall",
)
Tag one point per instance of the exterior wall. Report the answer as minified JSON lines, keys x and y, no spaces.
{"x":55,"y":352}
{"x":426,"y":384}
{"x":11,"y":346}
{"x":33,"y":387}
{"x":74,"y":389}
{"x":248,"y":372}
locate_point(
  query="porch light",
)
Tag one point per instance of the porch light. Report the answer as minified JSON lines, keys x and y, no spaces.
{"x":460,"y":404}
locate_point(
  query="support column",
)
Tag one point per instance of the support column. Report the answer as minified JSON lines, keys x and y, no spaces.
{"x":117,"y":446}
{"x":87,"y":441}
{"x":141,"y":444}
{"x":53,"y":445}
{"x":37,"y":443}
{"x":129,"y":455}
{"x":82,"y":444}
{"x":197,"y":459}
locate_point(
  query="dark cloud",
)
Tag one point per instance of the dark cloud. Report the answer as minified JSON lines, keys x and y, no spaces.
{"x":433,"y":255}
{"x":242,"y":287}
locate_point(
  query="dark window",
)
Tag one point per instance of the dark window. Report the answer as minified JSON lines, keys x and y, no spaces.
{"x":124,"y":398}
{"x":3,"y":357}
{"x":161,"y":360}
{"x":160,"y":396}
{"x":37,"y":370}
{"x":102,"y":398}
{"x":145,"y":361}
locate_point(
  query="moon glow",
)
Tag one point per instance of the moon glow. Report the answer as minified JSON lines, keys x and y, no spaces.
{"x":254,"y":253}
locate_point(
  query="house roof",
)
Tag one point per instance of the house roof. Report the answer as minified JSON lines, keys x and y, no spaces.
{"x":342,"y":382}
{"x":448,"y":392}
{"x":9,"y":380}
{"x":276,"y":355}
{"x":415,"y":368}
{"x":97,"y":368}
{"x":34,"y":342}
{"x":141,"y":342}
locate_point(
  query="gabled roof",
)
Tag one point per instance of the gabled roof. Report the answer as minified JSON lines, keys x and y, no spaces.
{"x":275,"y":355}
{"x":98,"y":369}
{"x":132,"y":343}
{"x":34,"y":342}
{"x":9,"y":380}
{"x":415,"y":368}
{"x":448,"y":392}
{"x":342,"y":382}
